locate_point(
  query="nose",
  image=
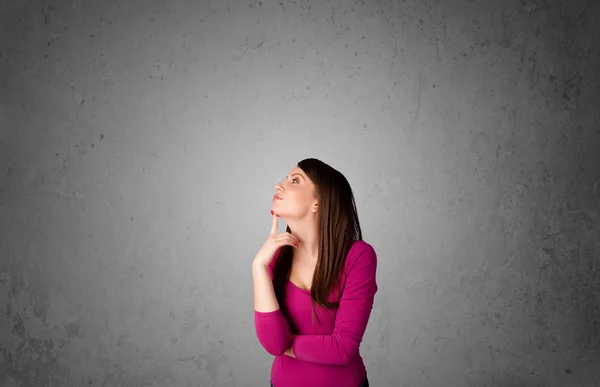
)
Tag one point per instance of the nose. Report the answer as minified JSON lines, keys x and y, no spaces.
{"x":277,"y":188}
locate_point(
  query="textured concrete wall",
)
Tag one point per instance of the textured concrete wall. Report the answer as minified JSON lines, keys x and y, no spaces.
{"x":141,"y":140}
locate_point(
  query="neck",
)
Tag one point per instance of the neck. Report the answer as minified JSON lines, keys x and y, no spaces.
{"x":306,"y":231}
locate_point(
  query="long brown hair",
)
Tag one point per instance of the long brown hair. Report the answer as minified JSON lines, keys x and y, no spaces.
{"x":338,"y":228}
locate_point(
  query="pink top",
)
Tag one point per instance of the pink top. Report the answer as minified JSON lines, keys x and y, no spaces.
{"x":329,"y":356}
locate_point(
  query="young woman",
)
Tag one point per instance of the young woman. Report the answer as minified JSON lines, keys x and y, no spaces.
{"x":314,"y":284}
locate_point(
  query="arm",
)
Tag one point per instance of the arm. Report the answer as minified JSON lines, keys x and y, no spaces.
{"x":352,"y":316}
{"x":272,"y":329}
{"x":264,"y":294}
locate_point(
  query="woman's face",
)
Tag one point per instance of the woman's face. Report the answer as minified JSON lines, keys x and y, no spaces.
{"x":297,"y":193}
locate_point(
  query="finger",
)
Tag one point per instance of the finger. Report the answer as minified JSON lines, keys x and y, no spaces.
{"x":295,"y":241}
{"x":274,"y":225}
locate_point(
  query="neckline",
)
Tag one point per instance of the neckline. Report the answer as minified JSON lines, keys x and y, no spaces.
{"x":298,"y":287}
{"x":352,"y":243}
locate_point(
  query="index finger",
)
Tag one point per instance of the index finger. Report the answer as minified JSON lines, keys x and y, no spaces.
{"x":274,"y":228}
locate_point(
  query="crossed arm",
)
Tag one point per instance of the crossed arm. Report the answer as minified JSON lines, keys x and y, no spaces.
{"x":339,"y":347}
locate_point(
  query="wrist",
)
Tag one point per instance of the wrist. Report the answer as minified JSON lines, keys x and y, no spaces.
{"x":259,"y":266}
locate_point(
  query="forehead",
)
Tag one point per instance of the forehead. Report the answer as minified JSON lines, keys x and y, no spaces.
{"x":296,"y":170}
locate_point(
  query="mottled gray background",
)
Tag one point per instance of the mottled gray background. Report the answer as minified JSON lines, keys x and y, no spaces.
{"x":141,"y":141}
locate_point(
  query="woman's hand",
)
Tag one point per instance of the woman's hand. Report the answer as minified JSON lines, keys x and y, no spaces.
{"x":289,"y":351}
{"x":274,"y":242}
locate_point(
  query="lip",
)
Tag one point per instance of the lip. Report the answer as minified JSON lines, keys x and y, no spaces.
{"x":275,"y":197}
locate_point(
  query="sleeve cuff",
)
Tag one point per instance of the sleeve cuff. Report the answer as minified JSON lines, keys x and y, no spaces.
{"x":274,"y":315}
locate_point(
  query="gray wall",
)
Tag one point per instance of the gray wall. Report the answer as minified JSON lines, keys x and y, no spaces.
{"x":140,"y":145}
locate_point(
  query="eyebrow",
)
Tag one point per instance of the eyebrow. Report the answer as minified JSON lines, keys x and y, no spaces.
{"x":297,"y":174}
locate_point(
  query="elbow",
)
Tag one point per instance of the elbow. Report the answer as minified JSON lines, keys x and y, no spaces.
{"x":346,"y":356}
{"x":274,"y":336}
{"x":275,"y":346}
{"x":347,"y":349}
{"x":275,"y":350}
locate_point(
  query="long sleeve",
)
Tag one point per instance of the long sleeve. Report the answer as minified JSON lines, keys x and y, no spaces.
{"x":351,"y":320}
{"x":272,"y":329}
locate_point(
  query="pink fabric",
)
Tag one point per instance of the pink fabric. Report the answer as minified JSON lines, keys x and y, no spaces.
{"x":328,"y":356}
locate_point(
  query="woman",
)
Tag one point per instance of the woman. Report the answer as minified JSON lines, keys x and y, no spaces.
{"x":314,"y":284}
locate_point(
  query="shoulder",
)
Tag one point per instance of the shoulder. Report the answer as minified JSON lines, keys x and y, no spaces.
{"x":359,"y":268}
{"x":360,"y":251}
{"x":361,"y":257}
{"x":360,"y":271}
{"x":360,"y":246}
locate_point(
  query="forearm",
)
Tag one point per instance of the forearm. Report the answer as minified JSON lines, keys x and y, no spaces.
{"x":264,"y":294}
{"x":272,"y":329}
{"x":331,"y":349}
